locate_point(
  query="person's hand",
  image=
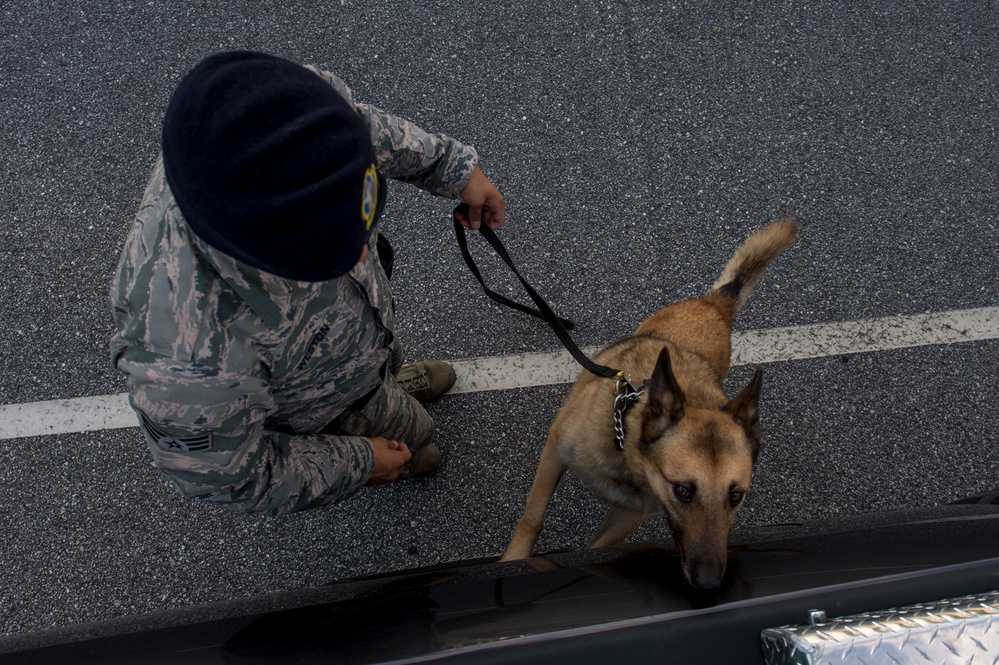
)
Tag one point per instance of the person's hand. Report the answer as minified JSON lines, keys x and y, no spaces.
{"x":484,"y":201}
{"x":390,"y":458}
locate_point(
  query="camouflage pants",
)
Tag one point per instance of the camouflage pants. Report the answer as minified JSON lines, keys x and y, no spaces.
{"x":389,"y":412}
{"x":394,"y":414}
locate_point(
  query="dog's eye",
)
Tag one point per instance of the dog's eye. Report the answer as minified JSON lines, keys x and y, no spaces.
{"x":735,"y":497}
{"x":683,"y":493}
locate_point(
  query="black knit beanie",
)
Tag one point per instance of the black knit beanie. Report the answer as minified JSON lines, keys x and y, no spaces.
{"x":270,"y":165}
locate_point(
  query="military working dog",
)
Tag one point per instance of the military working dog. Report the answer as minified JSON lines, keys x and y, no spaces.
{"x":687,"y":450}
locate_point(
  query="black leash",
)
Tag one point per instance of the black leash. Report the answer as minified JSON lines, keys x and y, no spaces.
{"x":625,"y":392}
{"x":560,"y":326}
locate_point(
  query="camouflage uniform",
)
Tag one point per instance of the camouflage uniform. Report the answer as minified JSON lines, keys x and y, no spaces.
{"x":238,"y":376}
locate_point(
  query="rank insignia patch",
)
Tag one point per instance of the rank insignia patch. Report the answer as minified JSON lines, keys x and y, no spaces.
{"x":166,"y":441}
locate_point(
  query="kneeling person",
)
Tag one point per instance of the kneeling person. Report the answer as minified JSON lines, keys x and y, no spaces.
{"x":254,"y":313}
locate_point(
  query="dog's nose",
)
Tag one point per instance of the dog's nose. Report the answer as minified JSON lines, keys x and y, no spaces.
{"x":707,"y":576}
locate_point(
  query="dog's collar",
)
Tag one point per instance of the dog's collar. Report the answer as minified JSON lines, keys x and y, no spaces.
{"x":625,"y":394}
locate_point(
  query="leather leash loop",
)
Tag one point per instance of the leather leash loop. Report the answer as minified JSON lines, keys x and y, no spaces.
{"x":559,"y":326}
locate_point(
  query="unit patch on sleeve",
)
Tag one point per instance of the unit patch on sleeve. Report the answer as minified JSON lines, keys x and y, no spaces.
{"x":369,"y":197}
{"x":187,"y":444}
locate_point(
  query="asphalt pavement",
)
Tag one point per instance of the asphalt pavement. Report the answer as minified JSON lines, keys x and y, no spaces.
{"x":637,"y":145}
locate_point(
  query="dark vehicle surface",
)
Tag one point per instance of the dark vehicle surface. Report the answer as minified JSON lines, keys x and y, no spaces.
{"x":627,"y":604}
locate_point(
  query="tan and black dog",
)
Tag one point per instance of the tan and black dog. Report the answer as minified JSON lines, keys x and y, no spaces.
{"x":688,"y":451}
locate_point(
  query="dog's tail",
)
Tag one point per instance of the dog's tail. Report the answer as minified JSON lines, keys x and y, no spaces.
{"x":750,"y":261}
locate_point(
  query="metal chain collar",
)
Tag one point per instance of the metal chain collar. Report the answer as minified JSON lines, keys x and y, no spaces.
{"x":625,"y":394}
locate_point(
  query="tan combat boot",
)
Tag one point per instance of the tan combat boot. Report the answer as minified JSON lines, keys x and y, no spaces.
{"x":426,"y":380}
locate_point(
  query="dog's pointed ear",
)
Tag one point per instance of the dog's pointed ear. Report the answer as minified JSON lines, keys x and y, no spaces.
{"x":666,"y":400}
{"x":745,"y":409}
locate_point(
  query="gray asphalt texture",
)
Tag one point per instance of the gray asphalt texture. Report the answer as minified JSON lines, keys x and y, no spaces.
{"x":637,"y":145}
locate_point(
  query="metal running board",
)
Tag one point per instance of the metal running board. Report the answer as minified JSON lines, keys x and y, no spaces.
{"x":960,"y":630}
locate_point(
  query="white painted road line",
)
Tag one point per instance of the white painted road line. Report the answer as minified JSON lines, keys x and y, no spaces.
{"x":106,"y":412}
{"x":893,"y":332}
{"x":63,"y":416}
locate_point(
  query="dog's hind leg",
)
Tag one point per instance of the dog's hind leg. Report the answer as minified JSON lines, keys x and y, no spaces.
{"x":618,"y":523}
{"x":550,"y":471}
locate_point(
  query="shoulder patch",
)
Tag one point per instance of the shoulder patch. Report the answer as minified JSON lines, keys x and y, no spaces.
{"x":187,"y":444}
{"x":369,"y":198}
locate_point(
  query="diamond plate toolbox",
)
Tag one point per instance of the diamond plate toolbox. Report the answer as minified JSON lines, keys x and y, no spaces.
{"x":960,"y":630}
